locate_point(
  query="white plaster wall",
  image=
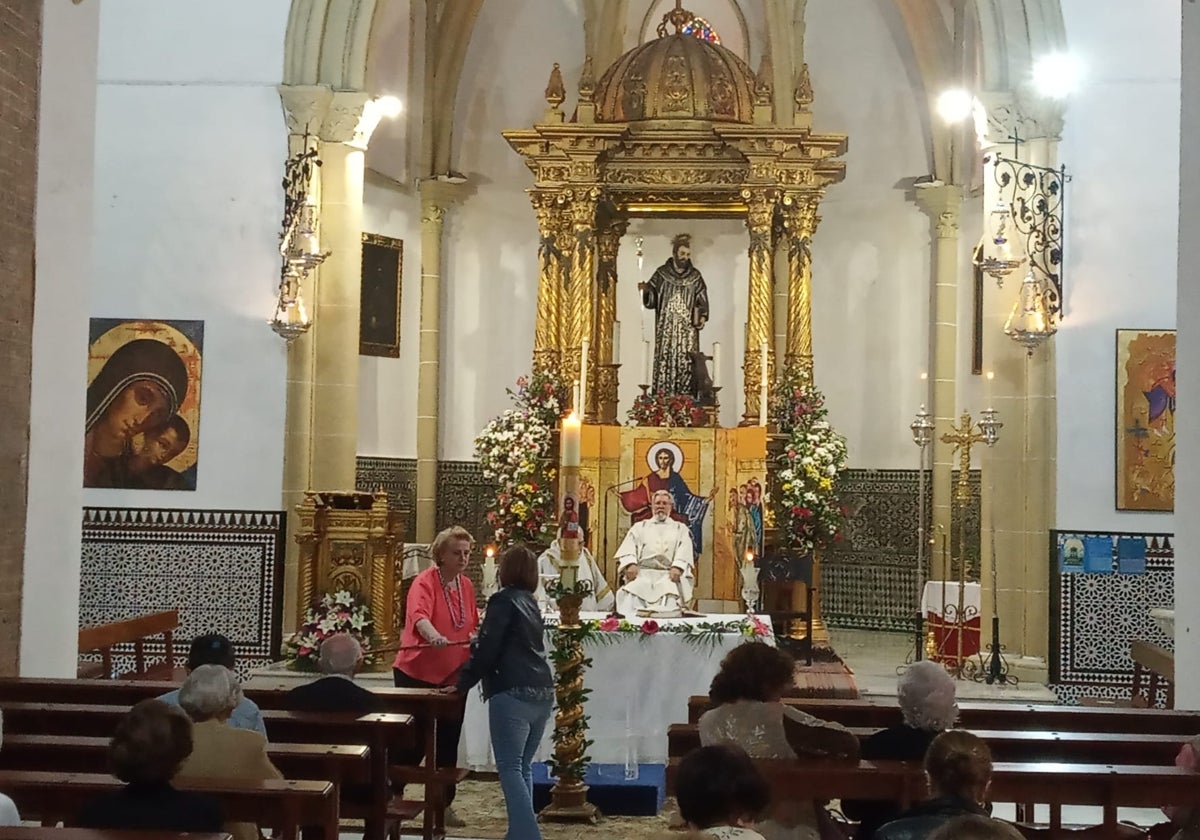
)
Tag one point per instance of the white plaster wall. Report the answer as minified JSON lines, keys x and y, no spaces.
{"x":50,"y":596}
{"x":190,"y":147}
{"x":1121,"y":145}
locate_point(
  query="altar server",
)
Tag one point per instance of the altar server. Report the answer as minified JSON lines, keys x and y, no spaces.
{"x":655,"y":562}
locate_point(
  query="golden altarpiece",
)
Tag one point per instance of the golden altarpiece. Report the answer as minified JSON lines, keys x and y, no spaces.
{"x":676,"y":128}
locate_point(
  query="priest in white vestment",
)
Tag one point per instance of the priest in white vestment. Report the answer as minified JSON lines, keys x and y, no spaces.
{"x":655,"y":563}
{"x":550,"y":565}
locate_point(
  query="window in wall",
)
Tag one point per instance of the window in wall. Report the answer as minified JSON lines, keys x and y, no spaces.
{"x":702,"y":29}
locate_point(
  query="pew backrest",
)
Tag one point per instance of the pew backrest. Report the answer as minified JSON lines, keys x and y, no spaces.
{"x":103,"y":638}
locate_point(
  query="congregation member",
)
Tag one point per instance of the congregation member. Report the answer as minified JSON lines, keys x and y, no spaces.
{"x":509,"y":658}
{"x":8,"y":809}
{"x":655,"y":563}
{"x":747,"y":695}
{"x":721,"y":793}
{"x":1184,"y":819}
{"x":340,"y":658}
{"x":440,"y":619}
{"x":209,"y":696}
{"x":550,"y":565}
{"x":958,"y":769}
{"x":215,"y":649}
{"x":975,"y":827}
{"x":928,"y":706}
{"x":146,"y":752}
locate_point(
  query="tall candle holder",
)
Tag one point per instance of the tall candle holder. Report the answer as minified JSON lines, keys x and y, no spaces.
{"x":922,"y":432}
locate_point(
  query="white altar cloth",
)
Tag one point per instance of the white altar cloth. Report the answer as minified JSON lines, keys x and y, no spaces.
{"x":640,"y":686}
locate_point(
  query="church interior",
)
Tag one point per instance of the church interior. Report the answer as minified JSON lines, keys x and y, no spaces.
{"x":844,"y":326}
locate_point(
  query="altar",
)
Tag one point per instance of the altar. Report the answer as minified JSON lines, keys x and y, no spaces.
{"x":640,"y":685}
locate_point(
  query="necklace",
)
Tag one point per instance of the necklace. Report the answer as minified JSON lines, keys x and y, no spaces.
{"x":460,"y":620}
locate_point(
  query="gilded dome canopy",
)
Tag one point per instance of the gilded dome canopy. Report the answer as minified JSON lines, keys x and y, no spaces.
{"x":676,"y":77}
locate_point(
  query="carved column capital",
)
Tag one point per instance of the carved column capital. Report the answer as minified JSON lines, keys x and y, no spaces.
{"x":350,"y":120}
{"x":305,"y":107}
{"x":942,"y":203}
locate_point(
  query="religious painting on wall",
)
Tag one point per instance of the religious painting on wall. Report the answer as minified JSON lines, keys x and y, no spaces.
{"x":379,"y":306}
{"x":1145,"y":432}
{"x":142,"y":430}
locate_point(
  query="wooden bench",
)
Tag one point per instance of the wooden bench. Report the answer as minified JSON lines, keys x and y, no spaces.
{"x":1018,"y":745}
{"x":378,"y":732}
{"x":282,"y":805}
{"x":1109,"y":786}
{"x":103,"y":638}
{"x":1156,"y":665}
{"x":1010,"y":716}
{"x":28,"y":832}
{"x":423,"y":704}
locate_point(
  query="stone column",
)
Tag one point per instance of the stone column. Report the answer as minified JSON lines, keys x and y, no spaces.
{"x":581,"y":294}
{"x":942,"y":202}
{"x":608,"y":241}
{"x":800,"y":221}
{"x":760,"y":327}
{"x":436,"y":198}
{"x":546,"y":339}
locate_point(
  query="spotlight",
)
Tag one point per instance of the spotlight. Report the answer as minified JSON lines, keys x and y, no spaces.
{"x":955,"y":105}
{"x":1056,"y":75}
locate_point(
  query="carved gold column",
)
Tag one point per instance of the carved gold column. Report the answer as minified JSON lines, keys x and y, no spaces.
{"x":608,"y":241}
{"x":547,"y":352}
{"x":760,"y":327}
{"x":581,"y":294}
{"x":800,"y":221}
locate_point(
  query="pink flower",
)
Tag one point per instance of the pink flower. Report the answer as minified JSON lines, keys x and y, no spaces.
{"x":610,"y":624}
{"x":522,"y":381}
{"x":649,"y":626}
{"x":760,"y":628}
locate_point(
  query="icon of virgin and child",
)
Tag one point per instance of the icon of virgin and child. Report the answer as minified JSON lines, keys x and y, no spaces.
{"x":142,"y":405}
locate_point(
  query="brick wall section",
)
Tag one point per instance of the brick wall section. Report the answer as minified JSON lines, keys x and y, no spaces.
{"x":20,"y":61}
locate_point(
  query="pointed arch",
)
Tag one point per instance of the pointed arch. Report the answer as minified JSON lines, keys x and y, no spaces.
{"x":326,"y":43}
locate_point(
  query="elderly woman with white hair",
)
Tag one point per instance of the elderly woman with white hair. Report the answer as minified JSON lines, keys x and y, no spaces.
{"x":209,"y":696}
{"x":929,"y":707}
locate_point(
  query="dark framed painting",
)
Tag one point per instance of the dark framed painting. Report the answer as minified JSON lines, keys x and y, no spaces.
{"x":142,"y":430}
{"x":1145,"y":432}
{"x":379,"y":313}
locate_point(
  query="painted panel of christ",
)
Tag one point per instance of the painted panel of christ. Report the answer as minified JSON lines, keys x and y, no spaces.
{"x":673,"y":466}
{"x":143,"y":404}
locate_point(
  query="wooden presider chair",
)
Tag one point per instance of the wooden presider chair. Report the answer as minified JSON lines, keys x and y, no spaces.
{"x":779,"y":568}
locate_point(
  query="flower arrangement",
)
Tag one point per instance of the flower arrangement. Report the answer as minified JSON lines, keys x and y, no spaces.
{"x":339,"y":612}
{"x":514,"y":452}
{"x":610,"y":629}
{"x":811,"y":515}
{"x":655,"y":408}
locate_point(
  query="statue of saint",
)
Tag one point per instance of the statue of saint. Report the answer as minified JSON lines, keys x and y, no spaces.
{"x":679,"y":298}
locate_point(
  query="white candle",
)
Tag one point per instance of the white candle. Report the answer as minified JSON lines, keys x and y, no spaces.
{"x":616,"y":350}
{"x":716,"y":354}
{"x":581,"y":407}
{"x":646,"y":356}
{"x":987,"y":394}
{"x":762,"y":389}
{"x":570,"y":440}
{"x":575,"y":396}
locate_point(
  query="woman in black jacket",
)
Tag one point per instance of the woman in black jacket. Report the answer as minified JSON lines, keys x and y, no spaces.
{"x":509,"y":657}
{"x":958,"y":767}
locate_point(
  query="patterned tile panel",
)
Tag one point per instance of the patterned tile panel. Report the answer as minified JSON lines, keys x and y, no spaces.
{"x":1094,"y":617}
{"x":869,"y":580}
{"x":223,"y":571}
{"x":398,"y":476}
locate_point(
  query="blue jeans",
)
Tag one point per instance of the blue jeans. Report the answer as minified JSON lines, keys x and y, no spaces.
{"x":518,"y":719}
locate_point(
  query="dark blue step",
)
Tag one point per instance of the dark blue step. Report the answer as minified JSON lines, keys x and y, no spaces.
{"x":610,"y":791}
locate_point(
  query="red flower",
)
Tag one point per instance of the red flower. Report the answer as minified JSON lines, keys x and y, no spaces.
{"x":610,"y":624}
{"x":649,"y":626}
{"x":796,"y":510}
{"x":804,"y":513}
{"x":760,"y":629}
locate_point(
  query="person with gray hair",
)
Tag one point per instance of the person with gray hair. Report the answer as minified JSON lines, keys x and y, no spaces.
{"x":8,"y":810}
{"x":340,"y":658}
{"x":209,"y":696}
{"x":928,"y":705}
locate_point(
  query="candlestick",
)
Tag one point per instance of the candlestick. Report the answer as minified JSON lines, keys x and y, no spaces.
{"x":762,"y":388}
{"x":616,"y":343}
{"x":716,"y":373}
{"x":570,"y":456}
{"x":646,"y":363}
{"x":583,"y":377}
{"x":987,"y":388}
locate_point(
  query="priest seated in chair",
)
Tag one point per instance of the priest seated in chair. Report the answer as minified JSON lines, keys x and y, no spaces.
{"x":655,"y":564}
{"x":550,"y":565}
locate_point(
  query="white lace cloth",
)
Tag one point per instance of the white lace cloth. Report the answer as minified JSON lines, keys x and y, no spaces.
{"x":640,"y":686}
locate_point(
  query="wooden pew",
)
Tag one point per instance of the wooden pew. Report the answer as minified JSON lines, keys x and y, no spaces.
{"x":104,"y":637}
{"x":1109,"y":786}
{"x":1020,"y":745}
{"x":882,"y":713}
{"x":28,"y":832}
{"x":424,"y":704}
{"x":285,"y":806}
{"x":379,"y":732}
